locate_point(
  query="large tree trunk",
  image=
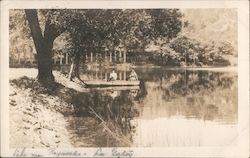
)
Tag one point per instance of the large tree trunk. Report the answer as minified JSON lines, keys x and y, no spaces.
{"x":45,"y":61}
{"x":43,"y":45}
{"x":75,"y":67}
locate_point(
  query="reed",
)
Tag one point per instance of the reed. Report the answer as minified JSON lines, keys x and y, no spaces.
{"x":108,"y":126}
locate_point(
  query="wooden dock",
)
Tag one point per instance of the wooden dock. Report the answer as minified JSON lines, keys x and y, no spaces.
{"x":102,"y":83}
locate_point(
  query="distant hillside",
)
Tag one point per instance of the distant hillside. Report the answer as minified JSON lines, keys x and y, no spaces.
{"x":212,"y":25}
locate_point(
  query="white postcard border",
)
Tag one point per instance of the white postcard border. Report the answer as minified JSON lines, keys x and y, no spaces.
{"x":243,"y":76}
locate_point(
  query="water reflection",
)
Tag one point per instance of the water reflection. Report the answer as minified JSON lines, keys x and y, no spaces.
{"x":171,"y":108}
{"x":110,"y":113}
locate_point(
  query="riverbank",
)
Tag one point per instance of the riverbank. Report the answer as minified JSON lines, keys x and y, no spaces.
{"x":47,"y":117}
{"x":36,"y":117}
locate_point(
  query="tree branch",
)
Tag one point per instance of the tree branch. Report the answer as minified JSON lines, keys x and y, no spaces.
{"x":36,"y":33}
{"x":51,"y":32}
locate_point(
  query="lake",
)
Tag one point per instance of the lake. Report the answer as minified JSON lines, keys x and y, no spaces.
{"x":170,"y":108}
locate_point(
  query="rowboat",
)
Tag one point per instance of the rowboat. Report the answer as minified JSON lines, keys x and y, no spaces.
{"x":103,"y":83}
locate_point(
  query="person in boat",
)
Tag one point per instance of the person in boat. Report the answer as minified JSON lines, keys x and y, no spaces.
{"x":133,"y":76}
{"x":112,"y":76}
{"x":133,"y":92}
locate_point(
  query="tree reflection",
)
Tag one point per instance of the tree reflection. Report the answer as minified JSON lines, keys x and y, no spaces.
{"x":113,"y":109}
{"x":184,"y":82}
{"x":200,"y":94}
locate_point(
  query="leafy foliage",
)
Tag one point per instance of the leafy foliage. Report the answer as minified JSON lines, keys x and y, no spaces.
{"x":97,"y":30}
{"x":184,"y":51}
{"x":130,"y":29}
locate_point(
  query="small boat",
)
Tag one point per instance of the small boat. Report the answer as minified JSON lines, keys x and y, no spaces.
{"x":103,"y":83}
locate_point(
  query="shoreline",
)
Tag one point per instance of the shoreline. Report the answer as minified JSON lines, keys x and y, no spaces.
{"x":205,"y":68}
{"x":37,"y":119}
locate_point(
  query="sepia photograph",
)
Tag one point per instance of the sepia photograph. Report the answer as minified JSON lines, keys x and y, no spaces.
{"x":122,"y":77}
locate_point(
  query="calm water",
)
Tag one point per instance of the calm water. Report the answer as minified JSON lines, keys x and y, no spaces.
{"x":170,"y":108}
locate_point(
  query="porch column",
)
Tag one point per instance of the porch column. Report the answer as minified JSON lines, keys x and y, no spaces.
{"x":110,"y":56}
{"x":55,"y":59}
{"x":96,"y":57}
{"x":115,"y":56}
{"x":124,"y":56}
{"x":61,"y":57}
{"x":101,"y":75}
{"x":67,"y":58}
{"x":24,"y":56}
{"x":106,"y":76}
{"x":105,"y":57}
{"x":91,"y":57}
{"x":120,"y":56}
{"x":124,"y":75}
{"x":96,"y":75}
{"x":18,"y":56}
{"x":92,"y":75}
{"x":120,"y":75}
{"x":86,"y":57}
